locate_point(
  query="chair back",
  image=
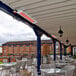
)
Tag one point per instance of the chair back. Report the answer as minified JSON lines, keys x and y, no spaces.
{"x":5,"y":60}
{"x":69,"y":70}
{"x":34,"y":71}
{"x":43,"y":66}
{"x":23,"y":64}
{"x":29,"y":63}
{"x":18,"y":66}
{"x":24,"y":59}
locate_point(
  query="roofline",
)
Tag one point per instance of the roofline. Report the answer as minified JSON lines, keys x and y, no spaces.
{"x":24,"y":42}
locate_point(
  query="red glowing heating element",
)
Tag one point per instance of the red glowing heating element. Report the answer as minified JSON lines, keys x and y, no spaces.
{"x":54,"y":36}
{"x":27,"y":17}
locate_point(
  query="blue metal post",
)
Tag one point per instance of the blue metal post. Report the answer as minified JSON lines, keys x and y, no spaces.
{"x":6,"y":8}
{"x":38,"y":34}
{"x":54,"y":43}
{"x":64,"y":50}
{"x":60,"y":51}
{"x":38,"y":54}
{"x":71,"y":50}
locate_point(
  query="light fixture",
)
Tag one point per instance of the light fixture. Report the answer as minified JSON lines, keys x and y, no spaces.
{"x":60,"y":32}
{"x":70,"y":44}
{"x":67,"y":41}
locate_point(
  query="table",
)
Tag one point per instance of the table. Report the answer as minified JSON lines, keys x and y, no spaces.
{"x":9,"y":64}
{"x":52,"y":71}
{"x":24,"y":59}
{"x":60,"y":64}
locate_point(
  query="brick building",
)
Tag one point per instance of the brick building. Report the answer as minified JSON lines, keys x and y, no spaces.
{"x":27,"y":48}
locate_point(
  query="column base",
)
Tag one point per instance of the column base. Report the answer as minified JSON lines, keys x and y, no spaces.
{"x":39,"y":73}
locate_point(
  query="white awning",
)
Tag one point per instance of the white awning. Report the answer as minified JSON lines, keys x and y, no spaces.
{"x":50,"y":15}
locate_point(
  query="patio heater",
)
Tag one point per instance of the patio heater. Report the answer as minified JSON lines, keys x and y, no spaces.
{"x":67,"y":41}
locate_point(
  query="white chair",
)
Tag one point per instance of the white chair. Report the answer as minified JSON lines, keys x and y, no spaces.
{"x":23,"y":64}
{"x":44,"y":60}
{"x":2,"y":70}
{"x":68,"y":70}
{"x":15,"y":69}
{"x":34,"y":62}
{"x":44,"y":66}
{"x":5,"y":60}
{"x":24,"y":59}
{"x":34,"y":71}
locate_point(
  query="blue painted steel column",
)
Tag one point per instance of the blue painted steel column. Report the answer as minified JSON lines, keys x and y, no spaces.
{"x":54,"y":43}
{"x":38,"y":54}
{"x":6,"y":8}
{"x":71,"y":50}
{"x":60,"y":51}
{"x":38,"y":34}
{"x":64,"y":50}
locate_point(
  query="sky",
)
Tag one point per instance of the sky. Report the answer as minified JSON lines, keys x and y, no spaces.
{"x":13,"y":30}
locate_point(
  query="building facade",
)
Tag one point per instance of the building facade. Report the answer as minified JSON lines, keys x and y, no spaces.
{"x":27,"y":48}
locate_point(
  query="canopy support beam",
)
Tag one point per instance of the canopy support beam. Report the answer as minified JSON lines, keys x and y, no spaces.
{"x":60,"y":51}
{"x":38,"y":34}
{"x":64,"y":50}
{"x":54,"y":44}
{"x":71,"y":50}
